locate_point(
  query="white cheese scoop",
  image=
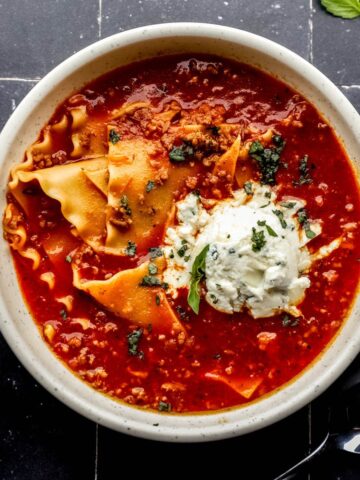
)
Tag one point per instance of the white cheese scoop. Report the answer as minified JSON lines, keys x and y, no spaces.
{"x":265,"y":277}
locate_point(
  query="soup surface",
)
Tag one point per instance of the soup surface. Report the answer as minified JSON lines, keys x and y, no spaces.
{"x":186,"y":233}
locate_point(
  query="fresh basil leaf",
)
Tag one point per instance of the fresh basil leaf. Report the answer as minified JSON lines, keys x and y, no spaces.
{"x":197,"y":274}
{"x":342,"y":8}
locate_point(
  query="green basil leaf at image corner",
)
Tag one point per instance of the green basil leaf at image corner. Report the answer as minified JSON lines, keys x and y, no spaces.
{"x":342,"y":8}
{"x":197,"y":274}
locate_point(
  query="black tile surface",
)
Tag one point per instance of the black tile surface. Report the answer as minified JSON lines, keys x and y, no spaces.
{"x":39,"y":437}
{"x":336,"y":45}
{"x":281,"y":20}
{"x":36,"y":35}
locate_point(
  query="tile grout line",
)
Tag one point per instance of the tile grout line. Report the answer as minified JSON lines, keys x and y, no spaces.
{"x":99,"y":19}
{"x":311,"y":28}
{"x":18,"y":79}
{"x":348,"y":87}
{"x":96,"y":452}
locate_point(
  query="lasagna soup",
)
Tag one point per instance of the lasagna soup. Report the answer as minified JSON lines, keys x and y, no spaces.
{"x":185,"y":232}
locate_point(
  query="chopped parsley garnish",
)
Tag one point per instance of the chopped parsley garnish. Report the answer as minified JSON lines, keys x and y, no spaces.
{"x":182,"y":249}
{"x":130,"y":250}
{"x":153,"y":269}
{"x":157,"y":299}
{"x":124,"y":202}
{"x":63,"y":314}
{"x":304,"y":222}
{"x":68,"y":259}
{"x":197,"y":274}
{"x":187,"y":258}
{"x":155,"y":252}
{"x":150,"y":186}
{"x":288,"y":321}
{"x":214,"y":298}
{"x":258,"y":240}
{"x":248,"y":188}
{"x":164,"y":406}
{"x":182,"y":313}
{"x":133,"y":340}
{"x":150,"y":281}
{"x":270,"y":231}
{"x":114,"y":137}
{"x":268,"y":194}
{"x":182,"y":153}
{"x":288,"y":204}
{"x":304,"y":171}
{"x":280,"y":216}
{"x":268,"y":159}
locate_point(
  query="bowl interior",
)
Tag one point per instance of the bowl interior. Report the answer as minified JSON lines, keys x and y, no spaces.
{"x":23,"y":128}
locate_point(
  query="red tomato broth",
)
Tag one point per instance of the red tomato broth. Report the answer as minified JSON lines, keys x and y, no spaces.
{"x":228,"y":344}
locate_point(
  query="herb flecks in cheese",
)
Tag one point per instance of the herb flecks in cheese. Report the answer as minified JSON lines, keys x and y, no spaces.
{"x":256,"y":257}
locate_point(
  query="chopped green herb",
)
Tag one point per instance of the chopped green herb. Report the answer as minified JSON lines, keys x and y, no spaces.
{"x":304,"y":221}
{"x":270,"y":231}
{"x":342,"y":8}
{"x":279,"y":142}
{"x":130,"y":250}
{"x":153,"y":269}
{"x":187,"y":258}
{"x":248,"y":188}
{"x":304,"y":172}
{"x":164,"y":406}
{"x":171,"y":255}
{"x":150,"y":281}
{"x":280,"y":216}
{"x":157,"y":299}
{"x":288,"y":321}
{"x":63,"y":314}
{"x":150,"y":186}
{"x":214,"y":298}
{"x":114,"y":137}
{"x":258,"y":240}
{"x":68,"y":259}
{"x":182,"y":250}
{"x":268,"y":194}
{"x":182,"y":153}
{"x":302,"y":216}
{"x":182,"y":313}
{"x":264,"y":206}
{"x":124,"y":202}
{"x":133,"y":340}
{"x":155,"y":252}
{"x":310,"y":233}
{"x":288,"y":204}
{"x":268,"y":159}
{"x":197,"y":274}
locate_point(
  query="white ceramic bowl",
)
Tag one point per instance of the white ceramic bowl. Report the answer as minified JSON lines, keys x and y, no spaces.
{"x":22,"y":129}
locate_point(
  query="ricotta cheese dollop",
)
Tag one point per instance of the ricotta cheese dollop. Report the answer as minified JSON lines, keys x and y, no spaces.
{"x":257,"y":254}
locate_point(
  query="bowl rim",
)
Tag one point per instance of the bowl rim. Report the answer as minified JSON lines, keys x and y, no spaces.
{"x":173,"y":427}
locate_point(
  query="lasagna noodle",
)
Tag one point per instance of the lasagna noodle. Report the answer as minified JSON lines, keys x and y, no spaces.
{"x":132,"y":164}
{"x":82,"y":204}
{"x":124,"y":295}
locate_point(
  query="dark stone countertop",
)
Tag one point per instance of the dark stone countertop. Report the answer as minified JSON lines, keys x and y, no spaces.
{"x":42,"y":439}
